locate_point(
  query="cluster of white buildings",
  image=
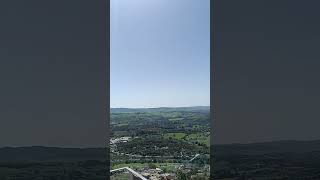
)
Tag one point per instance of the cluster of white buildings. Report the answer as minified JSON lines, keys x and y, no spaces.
{"x":119,"y":140}
{"x":157,"y":174}
{"x":114,"y":141}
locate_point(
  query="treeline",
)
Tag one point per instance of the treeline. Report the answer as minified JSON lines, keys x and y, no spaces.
{"x":156,"y":146}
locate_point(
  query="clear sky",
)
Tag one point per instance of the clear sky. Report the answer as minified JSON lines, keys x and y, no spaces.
{"x":160,"y":53}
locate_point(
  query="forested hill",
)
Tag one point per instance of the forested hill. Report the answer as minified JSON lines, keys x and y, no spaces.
{"x":160,"y":109}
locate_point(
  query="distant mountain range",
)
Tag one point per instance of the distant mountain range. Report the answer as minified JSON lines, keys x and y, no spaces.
{"x":160,"y":109}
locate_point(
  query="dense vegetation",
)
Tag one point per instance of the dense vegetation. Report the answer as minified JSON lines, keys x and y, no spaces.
{"x":166,"y":137}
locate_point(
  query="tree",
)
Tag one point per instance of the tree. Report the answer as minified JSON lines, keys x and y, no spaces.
{"x":182,"y":176}
{"x":152,"y":166}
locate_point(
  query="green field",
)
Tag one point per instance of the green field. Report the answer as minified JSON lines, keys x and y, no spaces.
{"x":199,"y":137}
{"x":177,"y":136}
{"x":194,"y":137}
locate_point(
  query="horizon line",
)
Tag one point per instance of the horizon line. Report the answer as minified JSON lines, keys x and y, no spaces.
{"x":150,"y":107}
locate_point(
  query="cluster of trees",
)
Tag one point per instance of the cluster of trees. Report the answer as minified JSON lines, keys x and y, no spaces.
{"x":157,"y":146}
{"x":148,"y":130}
{"x":150,"y":160}
{"x":164,"y":120}
{"x":191,"y":175}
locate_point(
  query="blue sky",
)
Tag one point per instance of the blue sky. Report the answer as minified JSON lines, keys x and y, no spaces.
{"x":160,"y":53}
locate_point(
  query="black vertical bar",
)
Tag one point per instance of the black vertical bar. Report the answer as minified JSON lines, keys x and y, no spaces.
{"x":215,"y":67}
{"x":107,"y":108}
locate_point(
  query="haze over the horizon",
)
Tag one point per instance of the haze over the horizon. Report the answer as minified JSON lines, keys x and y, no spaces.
{"x":158,"y":107}
{"x":160,"y":53}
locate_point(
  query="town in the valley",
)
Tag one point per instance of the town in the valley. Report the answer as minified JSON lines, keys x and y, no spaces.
{"x":160,"y":143}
